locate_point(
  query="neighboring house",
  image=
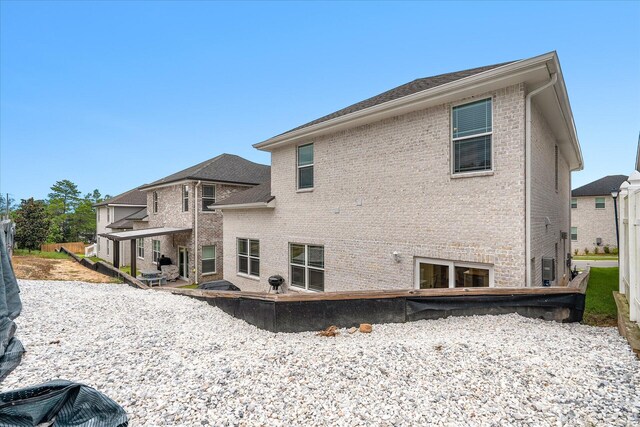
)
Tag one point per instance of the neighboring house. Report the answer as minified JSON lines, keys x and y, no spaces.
{"x":178,"y":215}
{"x":110,"y":216}
{"x":462,"y":179}
{"x":593,"y":225}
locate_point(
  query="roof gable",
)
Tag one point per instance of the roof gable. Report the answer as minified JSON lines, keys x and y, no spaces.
{"x":600,"y":187}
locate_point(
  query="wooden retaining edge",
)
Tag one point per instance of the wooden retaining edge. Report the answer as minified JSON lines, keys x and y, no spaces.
{"x":581,"y":281}
{"x":407,"y":293}
{"x":628,"y":329}
{"x":107,"y":269}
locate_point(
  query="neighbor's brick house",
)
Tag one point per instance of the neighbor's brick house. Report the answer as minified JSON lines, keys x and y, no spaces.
{"x":389,"y":194}
{"x":592,"y":215}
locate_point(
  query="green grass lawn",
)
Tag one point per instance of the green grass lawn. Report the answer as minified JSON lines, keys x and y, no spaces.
{"x":596,"y":257}
{"x":194,"y":286}
{"x":600,"y":308}
{"x":40,"y":254}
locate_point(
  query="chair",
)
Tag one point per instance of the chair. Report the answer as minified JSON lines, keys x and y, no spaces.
{"x":170,"y":272}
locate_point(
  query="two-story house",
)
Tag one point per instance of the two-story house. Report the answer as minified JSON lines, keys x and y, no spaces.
{"x":593,"y":225}
{"x":179,"y":222}
{"x":111,"y":215}
{"x":457,"y":180}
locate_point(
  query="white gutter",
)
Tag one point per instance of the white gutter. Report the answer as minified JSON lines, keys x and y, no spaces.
{"x":551,"y":82}
{"x":195,"y":227}
{"x":255,"y":205}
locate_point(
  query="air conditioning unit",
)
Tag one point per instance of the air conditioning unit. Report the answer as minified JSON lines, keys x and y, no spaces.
{"x":548,"y":269}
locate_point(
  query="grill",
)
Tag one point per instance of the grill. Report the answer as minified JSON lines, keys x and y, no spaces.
{"x":275,"y":282}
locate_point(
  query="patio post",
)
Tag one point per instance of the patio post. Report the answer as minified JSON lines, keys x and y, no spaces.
{"x":133,"y":257}
{"x":116,"y":253}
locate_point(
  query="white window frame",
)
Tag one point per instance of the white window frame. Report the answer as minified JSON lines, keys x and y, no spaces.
{"x":215,"y":262}
{"x":306,"y":267}
{"x":451,"y":265}
{"x":574,"y":199}
{"x":453,"y":141}
{"x":312,"y":166}
{"x":154,"y":202}
{"x":571,"y":234}
{"x":185,"y":198}
{"x":108,"y":215}
{"x":212,"y":200}
{"x":248,"y":256}
{"x":604,"y":202}
{"x":140,"y":248}
{"x":108,"y":246}
{"x":155,"y":255}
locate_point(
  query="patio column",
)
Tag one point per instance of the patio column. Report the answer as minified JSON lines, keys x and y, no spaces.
{"x":116,"y":253}
{"x":133,"y":257}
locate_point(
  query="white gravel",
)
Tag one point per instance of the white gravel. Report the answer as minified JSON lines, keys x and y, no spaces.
{"x":171,"y":360}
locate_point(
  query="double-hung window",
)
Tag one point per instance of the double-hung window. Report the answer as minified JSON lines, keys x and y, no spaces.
{"x":471,"y":137}
{"x":155,"y":202}
{"x":185,"y":198}
{"x":249,"y":257}
{"x":108,"y":214}
{"x":574,"y":233}
{"x":307,"y":266}
{"x":208,"y":259}
{"x":305,"y":166}
{"x":600,"y":203}
{"x":140,"y":248}
{"x":208,"y":197}
{"x":435,"y":273}
{"x":574,"y":203}
{"x":155,"y":246}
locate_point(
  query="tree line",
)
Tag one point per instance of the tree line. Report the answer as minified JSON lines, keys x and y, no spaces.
{"x":65,"y":216}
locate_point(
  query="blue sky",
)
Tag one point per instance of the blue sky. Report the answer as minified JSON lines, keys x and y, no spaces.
{"x":112,"y":95}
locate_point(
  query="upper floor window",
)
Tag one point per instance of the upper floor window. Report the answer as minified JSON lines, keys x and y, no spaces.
{"x":249,"y":257}
{"x":307,"y":266}
{"x":155,"y":202}
{"x":600,"y":203}
{"x":574,"y":203}
{"x":185,"y":198}
{"x":108,"y":214}
{"x":471,"y":136}
{"x":208,"y":197}
{"x":574,"y":233}
{"x":305,"y":166}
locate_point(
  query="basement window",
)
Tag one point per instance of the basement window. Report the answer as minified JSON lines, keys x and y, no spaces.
{"x":435,"y":274}
{"x":209,"y":259}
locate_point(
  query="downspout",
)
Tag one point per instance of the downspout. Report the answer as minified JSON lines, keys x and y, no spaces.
{"x":551,"y":82}
{"x":195,"y":259}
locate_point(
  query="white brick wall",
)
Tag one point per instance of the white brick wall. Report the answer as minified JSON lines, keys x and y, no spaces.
{"x":593,"y":223}
{"x":399,"y":169}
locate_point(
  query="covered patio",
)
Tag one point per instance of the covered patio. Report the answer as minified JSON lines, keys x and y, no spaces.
{"x":133,"y":236}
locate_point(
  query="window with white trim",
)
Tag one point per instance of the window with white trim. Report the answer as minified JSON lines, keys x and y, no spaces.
{"x":436,"y":273}
{"x":471,"y":137}
{"x":155,"y":202}
{"x":140,"y":248}
{"x":574,"y":203}
{"x":305,"y":166}
{"x":209,"y":259}
{"x":108,"y":214}
{"x":574,"y":233}
{"x":249,"y":257}
{"x":307,"y":266}
{"x":600,"y":203}
{"x":208,"y":197}
{"x":108,"y":246}
{"x":185,"y":198}
{"x":155,"y":250}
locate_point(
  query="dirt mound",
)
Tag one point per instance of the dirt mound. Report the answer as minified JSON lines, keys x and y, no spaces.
{"x":35,"y":268}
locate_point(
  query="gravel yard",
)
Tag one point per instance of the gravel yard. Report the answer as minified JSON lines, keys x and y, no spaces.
{"x":171,"y":360}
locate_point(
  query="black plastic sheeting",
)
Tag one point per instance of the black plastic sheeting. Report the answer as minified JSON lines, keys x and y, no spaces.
{"x":301,"y":316}
{"x":11,"y":349}
{"x":218,"y":285}
{"x":61,"y":404}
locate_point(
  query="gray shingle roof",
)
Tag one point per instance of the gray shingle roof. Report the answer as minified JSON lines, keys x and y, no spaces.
{"x":258,"y":194}
{"x":600,"y":187}
{"x":133,"y":197}
{"x":406,"y":89}
{"x":126,"y":223}
{"x":223,"y":168}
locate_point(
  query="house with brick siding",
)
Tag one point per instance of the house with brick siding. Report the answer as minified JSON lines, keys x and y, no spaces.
{"x":457,"y":180}
{"x":113,"y":215}
{"x":593,"y":224}
{"x":179,"y":222}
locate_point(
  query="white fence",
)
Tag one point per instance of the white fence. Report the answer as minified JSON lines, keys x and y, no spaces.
{"x":90,"y":250}
{"x":629,"y":254}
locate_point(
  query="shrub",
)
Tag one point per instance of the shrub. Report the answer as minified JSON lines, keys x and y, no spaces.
{"x":575,"y":252}
{"x":596,"y":250}
{"x":607,"y":250}
{"x":586,"y":251}
{"x":614,"y":251}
